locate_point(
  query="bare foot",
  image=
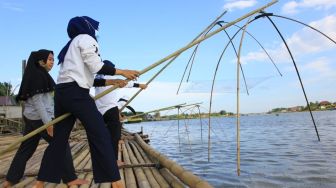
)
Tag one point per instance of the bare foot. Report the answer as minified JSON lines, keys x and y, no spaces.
{"x":118,"y":184}
{"x":39,"y":184}
{"x":7,"y":184}
{"x":120,"y":163}
{"x":78,"y":182}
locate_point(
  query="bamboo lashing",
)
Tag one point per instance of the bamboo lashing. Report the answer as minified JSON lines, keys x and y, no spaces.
{"x":58,"y":119}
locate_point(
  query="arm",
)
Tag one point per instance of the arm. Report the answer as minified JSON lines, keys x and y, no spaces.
{"x":142,"y":86}
{"x":90,"y":54}
{"x":108,"y":82}
{"x":137,"y":85}
{"x":41,"y":109}
{"x":131,"y":84}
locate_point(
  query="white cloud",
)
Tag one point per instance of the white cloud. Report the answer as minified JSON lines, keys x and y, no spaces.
{"x":303,"y":42}
{"x":290,"y":7}
{"x":323,"y":70}
{"x":293,"y":7}
{"x":162,"y":94}
{"x":232,"y":4}
{"x":12,"y":6}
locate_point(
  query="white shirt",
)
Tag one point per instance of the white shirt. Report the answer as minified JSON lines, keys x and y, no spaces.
{"x":40,"y":106}
{"x":109,"y":100}
{"x":81,"y":62}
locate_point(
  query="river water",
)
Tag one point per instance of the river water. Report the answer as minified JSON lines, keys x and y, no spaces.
{"x":276,"y":151}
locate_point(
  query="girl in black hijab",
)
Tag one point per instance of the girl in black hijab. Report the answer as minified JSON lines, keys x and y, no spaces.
{"x":36,"y":90}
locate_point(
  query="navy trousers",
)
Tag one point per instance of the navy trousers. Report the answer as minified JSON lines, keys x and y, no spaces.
{"x":111,"y":118}
{"x":70,"y":98}
{"x":27,"y":149}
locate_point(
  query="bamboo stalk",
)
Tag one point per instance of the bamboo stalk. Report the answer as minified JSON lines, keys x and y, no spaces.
{"x":163,"y":183}
{"x":183,"y":105}
{"x":185,"y":176}
{"x":80,"y":157}
{"x":173,"y":181}
{"x":121,"y":171}
{"x":148,"y":172}
{"x":129,"y":175}
{"x":89,"y":178}
{"x":139,"y":173}
{"x":157,"y":110}
{"x":58,"y":119}
{"x":25,"y":182}
{"x":164,"y":67}
{"x":238,"y":97}
{"x":84,"y":162}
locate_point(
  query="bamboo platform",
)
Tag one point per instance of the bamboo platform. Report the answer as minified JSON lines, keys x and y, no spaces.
{"x":144,"y":167}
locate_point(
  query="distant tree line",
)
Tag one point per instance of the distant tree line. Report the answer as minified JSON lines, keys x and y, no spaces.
{"x":5,"y":89}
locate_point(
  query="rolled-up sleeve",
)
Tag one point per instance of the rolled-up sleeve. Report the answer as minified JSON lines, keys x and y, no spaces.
{"x":90,"y":54}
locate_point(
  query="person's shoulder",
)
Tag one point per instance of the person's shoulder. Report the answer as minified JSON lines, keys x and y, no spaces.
{"x":85,"y":39}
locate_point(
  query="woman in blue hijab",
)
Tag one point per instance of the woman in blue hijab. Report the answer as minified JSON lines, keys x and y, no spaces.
{"x":79,"y":61}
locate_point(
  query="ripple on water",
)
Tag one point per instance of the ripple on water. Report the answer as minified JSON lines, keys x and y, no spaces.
{"x":276,"y":151}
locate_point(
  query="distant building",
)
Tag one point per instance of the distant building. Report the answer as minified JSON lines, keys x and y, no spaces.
{"x":7,"y":101}
{"x":324,"y":103}
{"x":296,"y":109}
{"x":9,"y":108}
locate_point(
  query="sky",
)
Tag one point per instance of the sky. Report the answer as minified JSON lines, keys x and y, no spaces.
{"x":136,"y":34}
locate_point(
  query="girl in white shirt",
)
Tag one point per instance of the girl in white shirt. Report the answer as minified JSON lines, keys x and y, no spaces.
{"x":108,"y":106}
{"x":80,"y":60}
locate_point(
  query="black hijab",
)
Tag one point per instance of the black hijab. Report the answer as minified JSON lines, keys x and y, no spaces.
{"x":76,"y":26}
{"x":35,"y":78}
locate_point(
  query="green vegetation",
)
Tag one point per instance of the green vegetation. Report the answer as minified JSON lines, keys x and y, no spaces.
{"x":314,"y":106}
{"x":5,"y":89}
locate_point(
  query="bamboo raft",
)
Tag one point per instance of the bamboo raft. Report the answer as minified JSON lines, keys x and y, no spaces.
{"x":144,"y":167}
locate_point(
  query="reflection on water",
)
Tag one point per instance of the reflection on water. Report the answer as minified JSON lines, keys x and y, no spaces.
{"x":276,"y":151}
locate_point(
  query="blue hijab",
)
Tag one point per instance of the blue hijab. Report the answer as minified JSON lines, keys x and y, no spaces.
{"x":76,"y":26}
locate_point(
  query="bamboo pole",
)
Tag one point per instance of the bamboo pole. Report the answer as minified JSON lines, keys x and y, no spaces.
{"x":183,"y":105}
{"x":200,"y":116}
{"x":147,"y":171}
{"x":157,"y":110}
{"x":164,"y":67}
{"x":129,"y":175}
{"x":88,"y":177}
{"x":81,"y":165}
{"x":238,"y":97}
{"x":139,"y":173}
{"x":185,"y":176}
{"x":173,"y":181}
{"x":121,"y":171}
{"x":163,"y":183}
{"x":58,"y":119}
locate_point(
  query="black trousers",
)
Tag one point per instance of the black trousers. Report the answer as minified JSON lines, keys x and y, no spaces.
{"x":27,"y":149}
{"x":111,"y":118}
{"x":70,"y":98}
